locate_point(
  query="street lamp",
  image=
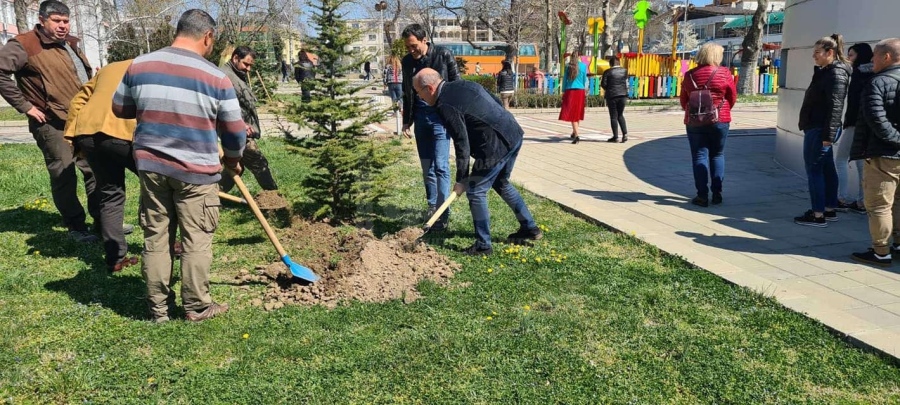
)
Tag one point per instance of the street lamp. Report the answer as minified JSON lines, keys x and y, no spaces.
{"x":381,"y":6}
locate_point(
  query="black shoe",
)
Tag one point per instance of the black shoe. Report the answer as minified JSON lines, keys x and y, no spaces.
{"x":624,"y":138}
{"x":572,"y":135}
{"x":431,"y":210}
{"x":701,"y":201}
{"x":870,"y":257}
{"x":83,"y":236}
{"x":613,"y":139}
{"x":831,"y":216}
{"x":809,"y":219}
{"x":842,"y":207}
{"x":526,"y":234}
{"x":474,"y":250}
{"x":576,"y":139}
{"x":717,"y":198}
{"x":857,"y":208}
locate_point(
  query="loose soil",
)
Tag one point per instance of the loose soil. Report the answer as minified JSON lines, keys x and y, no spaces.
{"x":353,"y":265}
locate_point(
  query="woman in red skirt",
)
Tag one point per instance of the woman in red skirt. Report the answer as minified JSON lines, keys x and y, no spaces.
{"x":574,"y":85}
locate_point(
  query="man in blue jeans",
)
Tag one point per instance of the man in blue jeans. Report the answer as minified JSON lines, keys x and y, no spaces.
{"x":432,"y":141}
{"x":483,"y":129}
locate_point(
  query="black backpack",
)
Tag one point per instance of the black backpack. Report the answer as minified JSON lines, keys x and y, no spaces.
{"x":701,"y":110}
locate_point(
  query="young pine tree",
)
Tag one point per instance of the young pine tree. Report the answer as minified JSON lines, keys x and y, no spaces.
{"x":348,"y":164}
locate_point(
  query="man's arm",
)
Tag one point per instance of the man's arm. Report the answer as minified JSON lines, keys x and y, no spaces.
{"x":77,"y":104}
{"x":875,"y":114}
{"x":230,"y":126}
{"x":12,"y":59}
{"x":452,"y":69}
{"x":123,"y":104}
{"x":455,"y":123}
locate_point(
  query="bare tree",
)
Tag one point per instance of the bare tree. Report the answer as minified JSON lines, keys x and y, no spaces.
{"x":21,"y":9}
{"x":750,"y":49}
{"x":610,"y":11}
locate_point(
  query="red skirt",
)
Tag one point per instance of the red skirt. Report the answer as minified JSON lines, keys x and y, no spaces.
{"x":572,"y":106}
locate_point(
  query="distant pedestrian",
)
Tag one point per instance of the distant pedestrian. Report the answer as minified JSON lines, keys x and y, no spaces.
{"x":820,"y":121}
{"x":707,"y":126}
{"x":367,"y":67}
{"x":506,"y":84}
{"x":285,"y":71}
{"x":615,"y":91}
{"x":477,"y":68}
{"x":860,"y":57}
{"x":574,"y":94}
{"x":304,"y":73}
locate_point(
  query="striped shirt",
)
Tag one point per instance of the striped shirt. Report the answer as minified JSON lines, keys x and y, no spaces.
{"x":183,"y":105}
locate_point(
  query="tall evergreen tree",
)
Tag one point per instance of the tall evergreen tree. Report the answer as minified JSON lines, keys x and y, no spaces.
{"x":125,"y":45}
{"x":348,"y":164}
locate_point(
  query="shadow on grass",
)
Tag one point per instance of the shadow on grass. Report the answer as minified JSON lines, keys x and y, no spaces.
{"x":45,"y":239}
{"x":247,"y":240}
{"x":123,"y":294}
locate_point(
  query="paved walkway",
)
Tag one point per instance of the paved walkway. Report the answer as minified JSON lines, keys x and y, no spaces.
{"x":643,"y":188}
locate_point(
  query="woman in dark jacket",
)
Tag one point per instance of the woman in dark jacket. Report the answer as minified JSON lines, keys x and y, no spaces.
{"x":820,"y":121}
{"x":860,"y":56}
{"x":506,"y":83}
{"x":708,"y":141}
{"x":615,"y":91}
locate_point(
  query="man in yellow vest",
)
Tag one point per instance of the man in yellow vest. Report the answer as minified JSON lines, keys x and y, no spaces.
{"x":105,"y":141}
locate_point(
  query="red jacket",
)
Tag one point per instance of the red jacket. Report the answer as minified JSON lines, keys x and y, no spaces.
{"x":721,"y":86}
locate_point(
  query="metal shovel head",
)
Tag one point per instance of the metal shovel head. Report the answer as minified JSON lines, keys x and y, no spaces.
{"x":300,"y":271}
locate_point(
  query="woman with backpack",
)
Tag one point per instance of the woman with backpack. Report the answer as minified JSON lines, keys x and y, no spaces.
{"x":820,"y":121}
{"x":574,"y":86}
{"x":707,"y":97}
{"x":506,"y":83}
{"x":860,"y":57}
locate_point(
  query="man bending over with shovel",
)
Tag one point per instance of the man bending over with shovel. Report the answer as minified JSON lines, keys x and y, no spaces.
{"x":481,"y":128}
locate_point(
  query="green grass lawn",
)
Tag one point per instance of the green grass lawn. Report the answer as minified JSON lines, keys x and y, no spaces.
{"x":612,"y":321}
{"x":10,"y":114}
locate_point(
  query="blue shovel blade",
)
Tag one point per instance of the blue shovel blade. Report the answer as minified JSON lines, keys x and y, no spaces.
{"x":300,"y":271}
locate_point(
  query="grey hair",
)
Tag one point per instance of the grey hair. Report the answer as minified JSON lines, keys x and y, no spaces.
{"x":427,"y":77}
{"x":195,"y":24}
{"x":890,"y":46}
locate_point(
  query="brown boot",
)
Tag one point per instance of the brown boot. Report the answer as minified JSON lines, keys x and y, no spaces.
{"x":211,"y":311}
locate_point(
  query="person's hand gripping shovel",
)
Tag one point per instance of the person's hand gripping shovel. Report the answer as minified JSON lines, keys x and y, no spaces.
{"x":458,"y":189}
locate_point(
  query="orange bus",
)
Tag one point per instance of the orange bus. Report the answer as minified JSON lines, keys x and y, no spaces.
{"x":491,"y":59}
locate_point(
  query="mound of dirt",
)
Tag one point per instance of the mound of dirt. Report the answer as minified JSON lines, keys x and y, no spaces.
{"x":353,"y":265}
{"x":270,"y":200}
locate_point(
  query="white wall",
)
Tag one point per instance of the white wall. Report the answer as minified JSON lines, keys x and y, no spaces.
{"x":805,"y":21}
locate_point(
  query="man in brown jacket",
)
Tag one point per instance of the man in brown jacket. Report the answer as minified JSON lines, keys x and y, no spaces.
{"x":50,"y":69}
{"x":105,"y":140}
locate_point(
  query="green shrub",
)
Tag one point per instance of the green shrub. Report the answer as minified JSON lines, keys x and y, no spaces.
{"x":489,"y":82}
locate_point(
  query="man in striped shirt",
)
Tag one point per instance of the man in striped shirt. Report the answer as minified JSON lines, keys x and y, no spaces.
{"x":183,"y":105}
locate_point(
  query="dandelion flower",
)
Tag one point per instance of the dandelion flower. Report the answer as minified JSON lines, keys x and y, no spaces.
{"x":490,"y":270}
{"x":494,"y":313}
{"x":37,"y":252}
{"x":524,"y":260}
{"x":246,"y":336}
{"x":151,"y":380}
{"x":489,"y":318}
{"x":537,"y":259}
{"x":527,"y":307}
{"x":502,"y":266}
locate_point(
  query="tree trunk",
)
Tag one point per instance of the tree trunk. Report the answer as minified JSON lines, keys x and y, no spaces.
{"x":548,"y":38}
{"x":751,"y":47}
{"x":21,"y":10}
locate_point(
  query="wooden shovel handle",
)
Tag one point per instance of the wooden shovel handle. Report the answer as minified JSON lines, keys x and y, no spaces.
{"x":255,"y":208}
{"x":441,"y":209}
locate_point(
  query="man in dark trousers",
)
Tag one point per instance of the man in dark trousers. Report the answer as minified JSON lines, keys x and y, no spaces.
{"x":432,"y":141}
{"x":483,"y":129}
{"x":877,"y":140}
{"x":50,"y":70}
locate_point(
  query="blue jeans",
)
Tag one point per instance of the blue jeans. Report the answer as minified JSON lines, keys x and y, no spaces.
{"x":708,"y":154}
{"x":396,"y":91}
{"x":820,"y":171}
{"x":495,"y":176}
{"x":433,"y":145}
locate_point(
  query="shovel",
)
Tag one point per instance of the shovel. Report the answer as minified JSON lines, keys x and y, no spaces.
{"x":297,"y":270}
{"x":437,"y":214}
{"x":229,"y":197}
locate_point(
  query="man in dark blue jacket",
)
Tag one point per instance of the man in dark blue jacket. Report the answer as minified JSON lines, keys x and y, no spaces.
{"x":480,"y":128}
{"x":877,"y":140}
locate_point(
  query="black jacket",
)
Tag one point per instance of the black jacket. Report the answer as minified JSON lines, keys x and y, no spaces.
{"x":615,"y":82}
{"x":879,"y":115}
{"x":506,"y":81}
{"x":823,"y":104}
{"x":479,"y":125}
{"x":437,"y":58}
{"x":859,"y":78}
